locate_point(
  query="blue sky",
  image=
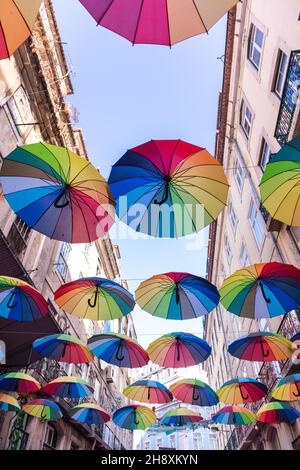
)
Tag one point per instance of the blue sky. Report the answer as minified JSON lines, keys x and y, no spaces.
{"x":128,"y":95}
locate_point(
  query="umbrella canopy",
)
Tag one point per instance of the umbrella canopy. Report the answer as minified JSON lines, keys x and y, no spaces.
{"x":8,"y":403}
{"x":242,"y":390}
{"x":296,"y":337}
{"x":119,"y":350}
{"x":57,"y":193}
{"x":134,"y":417}
{"x":17,"y":19}
{"x":148,"y":391}
{"x":89,"y":413}
{"x":164,"y":22}
{"x":276,"y":413}
{"x":264,"y":290}
{"x":280,"y":188}
{"x":195,"y":392}
{"x":234,"y":415}
{"x":168,"y":188}
{"x":180,"y":417}
{"x":95,"y":298}
{"x":68,"y":387}
{"x":44,"y":409}
{"x":178,"y":350}
{"x":20,"y":301}
{"x":177,"y":296}
{"x":288,"y":388}
{"x":63,"y":348}
{"x":262,"y":347}
{"x":19,"y":383}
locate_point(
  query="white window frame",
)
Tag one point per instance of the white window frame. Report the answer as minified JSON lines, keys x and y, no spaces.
{"x":246,"y":121}
{"x":257,"y":217}
{"x":239,"y":174}
{"x":228,"y":250}
{"x":265,"y":154}
{"x":233,"y":217}
{"x":281,"y":73}
{"x":255,"y":47}
{"x":244,"y":256}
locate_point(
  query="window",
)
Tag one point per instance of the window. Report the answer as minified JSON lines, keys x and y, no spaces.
{"x":159,"y":443}
{"x":172,"y":442}
{"x":280,"y":73}
{"x":50,"y":442}
{"x":239,"y":174}
{"x":233,"y":217}
{"x":244,"y":256}
{"x":246,"y":118}
{"x":147,"y":445}
{"x":19,"y":109}
{"x":256,"y":41}
{"x":18,"y":236}
{"x":228,"y":250}
{"x":62,"y":262}
{"x":265,"y":154}
{"x":257,"y":224}
{"x":226,"y":358}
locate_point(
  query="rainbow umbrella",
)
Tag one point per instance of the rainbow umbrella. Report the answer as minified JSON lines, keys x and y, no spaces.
{"x":68,"y":387}
{"x":242,"y":390}
{"x":180,"y":417}
{"x":95,"y":298}
{"x":134,"y":417}
{"x":57,"y":193}
{"x":44,"y":409}
{"x":164,"y":22}
{"x":119,"y":350}
{"x":296,"y":337}
{"x":262,"y":347}
{"x":234,"y":415}
{"x":89,"y":413}
{"x":17,"y":19}
{"x":19,"y":383}
{"x":8,"y":403}
{"x":168,"y":188}
{"x":148,"y":391}
{"x":264,"y":290}
{"x":276,"y":413}
{"x":194,"y":392}
{"x":288,"y":388}
{"x":63,"y":348}
{"x":280,"y":184}
{"x":20,"y":301}
{"x":177,"y":296}
{"x":178,"y":350}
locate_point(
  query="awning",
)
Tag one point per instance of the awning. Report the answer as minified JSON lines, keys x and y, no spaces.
{"x":18,"y":336}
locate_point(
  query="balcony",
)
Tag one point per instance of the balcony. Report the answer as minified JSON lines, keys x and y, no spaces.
{"x":289,"y":100}
{"x":269,"y":374}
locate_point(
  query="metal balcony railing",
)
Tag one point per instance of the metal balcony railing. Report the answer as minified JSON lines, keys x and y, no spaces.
{"x":289,"y":100}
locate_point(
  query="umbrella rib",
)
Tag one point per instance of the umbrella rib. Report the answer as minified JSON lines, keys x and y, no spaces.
{"x":5,"y":42}
{"x":171,"y":159}
{"x":138,"y":21}
{"x":201,"y":19}
{"x":182,"y":187}
{"x":54,"y":175}
{"x":62,"y":175}
{"x":23,"y":17}
{"x":179,"y":197}
{"x":103,"y":14}
{"x":79,"y":203}
{"x":160,"y":156}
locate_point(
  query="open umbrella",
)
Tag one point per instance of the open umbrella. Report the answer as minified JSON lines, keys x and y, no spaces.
{"x":89,"y":413}
{"x":262,"y":347}
{"x":19,"y":383}
{"x":288,"y":388}
{"x":168,"y":188}
{"x":180,"y":417}
{"x":20,"y":301}
{"x":68,"y":387}
{"x":8,"y":403}
{"x":242,"y":390}
{"x":264,"y":290}
{"x":134,"y":417}
{"x":276,"y":413}
{"x":63,"y":348}
{"x":57,"y":193}
{"x":178,"y":350}
{"x":296,"y":337}
{"x":177,"y":296}
{"x":44,"y":409}
{"x":164,"y":22}
{"x":195,"y":392}
{"x":234,"y":415}
{"x":119,"y":350}
{"x":148,"y":391}
{"x":94,"y":298}
{"x":17,"y":19}
{"x":280,"y":184}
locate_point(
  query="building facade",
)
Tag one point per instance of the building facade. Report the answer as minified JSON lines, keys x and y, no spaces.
{"x":182,"y":438}
{"x":258,"y":113}
{"x":34,"y":86}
